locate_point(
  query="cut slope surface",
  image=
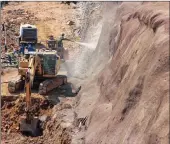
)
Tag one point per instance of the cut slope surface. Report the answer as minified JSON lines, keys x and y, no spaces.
{"x":133,"y":103}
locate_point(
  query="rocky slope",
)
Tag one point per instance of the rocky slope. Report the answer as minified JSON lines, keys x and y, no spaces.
{"x":128,"y":101}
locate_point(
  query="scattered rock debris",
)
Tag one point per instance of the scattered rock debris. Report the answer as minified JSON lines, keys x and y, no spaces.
{"x":12,"y":111}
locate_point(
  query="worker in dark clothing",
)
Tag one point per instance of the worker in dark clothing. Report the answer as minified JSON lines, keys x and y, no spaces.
{"x":60,"y":48}
{"x":22,"y":49}
{"x":16,"y":51}
{"x":51,"y":42}
{"x":10,"y":56}
{"x":10,"y":59}
{"x":60,"y":40}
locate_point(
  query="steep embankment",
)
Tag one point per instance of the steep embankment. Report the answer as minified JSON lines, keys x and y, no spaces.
{"x":131,"y":98}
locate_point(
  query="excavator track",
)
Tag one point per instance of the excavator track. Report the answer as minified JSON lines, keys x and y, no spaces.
{"x":50,"y":84}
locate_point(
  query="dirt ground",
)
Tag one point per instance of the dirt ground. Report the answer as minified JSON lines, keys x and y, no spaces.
{"x":51,"y":19}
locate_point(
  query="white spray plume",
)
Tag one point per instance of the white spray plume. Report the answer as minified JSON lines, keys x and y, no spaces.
{"x":87,"y":45}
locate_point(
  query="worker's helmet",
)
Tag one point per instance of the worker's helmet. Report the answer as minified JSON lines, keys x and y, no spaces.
{"x":51,"y":37}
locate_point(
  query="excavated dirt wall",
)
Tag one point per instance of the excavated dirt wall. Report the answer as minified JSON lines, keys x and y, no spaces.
{"x":129,"y":103}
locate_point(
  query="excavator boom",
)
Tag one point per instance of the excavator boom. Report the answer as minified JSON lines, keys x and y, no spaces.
{"x":28,"y":90}
{"x":29,"y":124}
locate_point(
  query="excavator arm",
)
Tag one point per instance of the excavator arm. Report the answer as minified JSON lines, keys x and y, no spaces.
{"x":29,"y":124}
{"x":28,"y":90}
{"x":32,"y":67}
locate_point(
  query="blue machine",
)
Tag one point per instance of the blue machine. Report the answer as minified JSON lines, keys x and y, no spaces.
{"x":31,"y":48}
{"x":22,"y":49}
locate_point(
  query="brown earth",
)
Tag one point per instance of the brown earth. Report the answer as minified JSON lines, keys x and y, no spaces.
{"x":11,"y":112}
{"x":50,"y":19}
{"x":53,"y":132}
{"x":132,"y":105}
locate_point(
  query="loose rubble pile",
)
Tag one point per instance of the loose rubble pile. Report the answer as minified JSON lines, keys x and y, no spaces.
{"x":53,"y":130}
{"x":12,"y":110}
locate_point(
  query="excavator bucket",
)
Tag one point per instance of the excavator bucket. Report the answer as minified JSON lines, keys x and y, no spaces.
{"x":32,"y":128}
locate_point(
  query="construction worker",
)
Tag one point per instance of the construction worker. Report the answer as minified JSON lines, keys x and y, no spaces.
{"x":25,"y":49}
{"x":51,"y":43}
{"x":10,"y":55}
{"x":60,"y":40}
{"x":16,"y":51}
{"x":60,"y":48}
{"x":22,"y":49}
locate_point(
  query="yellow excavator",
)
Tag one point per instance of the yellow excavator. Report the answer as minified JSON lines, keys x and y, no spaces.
{"x":39,"y":67}
{"x":44,"y":67}
{"x":36,"y":67}
{"x":43,"y":64}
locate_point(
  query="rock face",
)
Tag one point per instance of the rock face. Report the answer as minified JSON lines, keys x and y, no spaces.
{"x":128,"y":101}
